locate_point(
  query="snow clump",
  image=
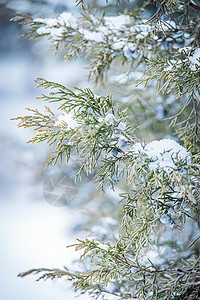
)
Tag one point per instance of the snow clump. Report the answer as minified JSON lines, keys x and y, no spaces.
{"x":116,"y":23}
{"x":56,"y":26}
{"x":130,"y":51}
{"x":66,"y":119}
{"x":163,"y":154}
{"x":195,"y":60}
{"x":92,"y":35}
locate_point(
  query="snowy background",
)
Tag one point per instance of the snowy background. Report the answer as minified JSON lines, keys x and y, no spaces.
{"x":33,"y":233}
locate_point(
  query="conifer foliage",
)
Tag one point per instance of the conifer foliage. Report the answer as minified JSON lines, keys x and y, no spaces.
{"x":155,"y":254}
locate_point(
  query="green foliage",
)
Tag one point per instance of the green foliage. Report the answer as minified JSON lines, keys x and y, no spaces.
{"x":112,"y":265}
{"x":89,"y":138}
{"x":161,"y":195}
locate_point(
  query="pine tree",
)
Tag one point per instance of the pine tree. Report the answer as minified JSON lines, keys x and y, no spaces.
{"x":149,"y":58}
